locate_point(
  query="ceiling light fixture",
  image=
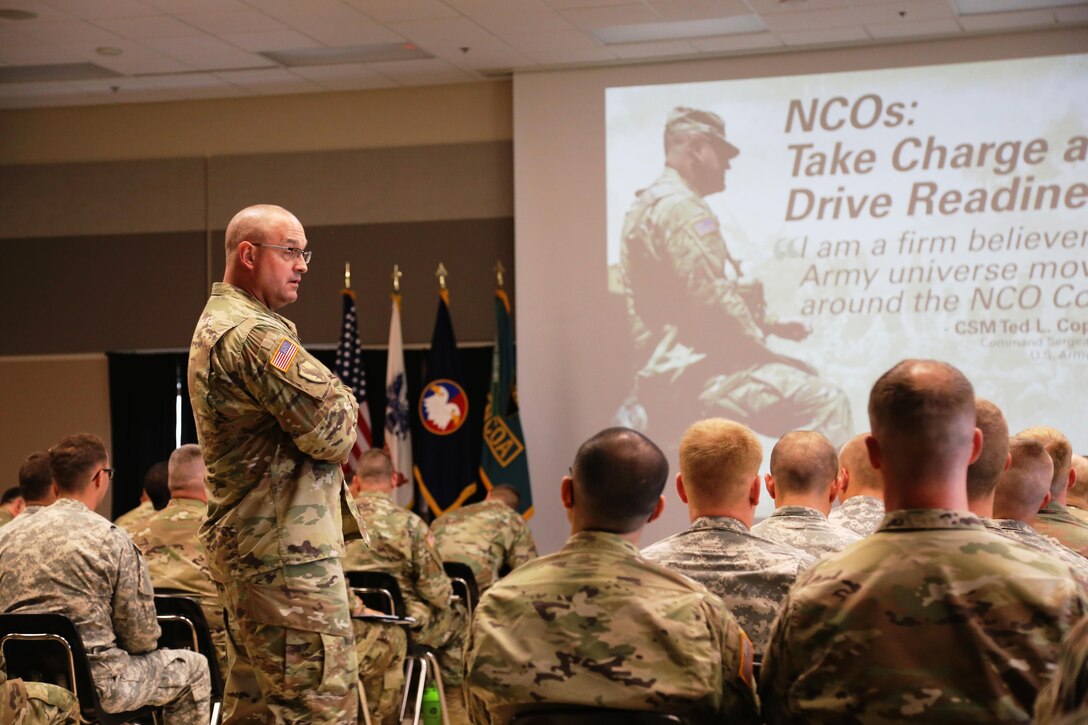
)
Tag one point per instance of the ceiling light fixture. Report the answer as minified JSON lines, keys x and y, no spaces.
{"x":983,"y":7}
{"x":351,"y":54}
{"x":16,"y":14}
{"x":679,"y":30}
{"x":108,"y":50}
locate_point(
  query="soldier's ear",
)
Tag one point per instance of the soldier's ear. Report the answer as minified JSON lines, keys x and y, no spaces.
{"x":873,"y":448}
{"x":680,"y":488}
{"x":845,"y":483}
{"x":566,"y":492}
{"x":1046,"y":500}
{"x":769,"y":480}
{"x":658,"y":509}
{"x":1072,"y":477}
{"x":753,"y":491}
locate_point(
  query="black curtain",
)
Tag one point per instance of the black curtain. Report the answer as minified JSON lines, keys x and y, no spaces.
{"x":143,"y":400}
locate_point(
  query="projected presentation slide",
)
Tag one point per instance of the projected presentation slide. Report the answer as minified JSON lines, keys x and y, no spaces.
{"x":779,"y":242}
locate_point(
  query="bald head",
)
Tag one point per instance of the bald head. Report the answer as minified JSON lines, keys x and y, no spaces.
{"x":922,"y":415}
{"x":186,"y":472}
{"x":504,"y":493}
{"x":1023,"y":489}
{"x":861,"y":478}
{"x":1061,"y":455}
{"x":718,"y":460}
{"x":982,"y":475}
{"x":255,"y":224}
{"x":803,"y":462}
{"x":1078,"y":495}
{"x":617,"y":480}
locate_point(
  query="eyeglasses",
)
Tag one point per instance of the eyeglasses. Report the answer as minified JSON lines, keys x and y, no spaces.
{"x":293,"y":253}
{"x":108,"y":471}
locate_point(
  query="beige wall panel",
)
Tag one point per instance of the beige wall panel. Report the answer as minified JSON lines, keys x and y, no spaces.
{"x":420,"y":183}
{"x":271,"y":124}
{"x":54,"y":200}
{"x":47,"y":398}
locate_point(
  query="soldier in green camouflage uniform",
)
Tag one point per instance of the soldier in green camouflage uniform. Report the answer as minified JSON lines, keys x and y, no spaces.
{"x":154,"y":498}
{"x":715,"y":354}
{"x":274,"y":425}
{"x":932,"y":618}
{"x":488,"y":536}
{"x":36,"y":703}
{"x":862,"y":497}
{"x":1077,"y":499}
{"x":1065,"y":697}
{"x":381,"y":649}
{"x":36,"y":480}
{"x":1055,"y":519}
{"x":169,"y":542}
{"x":596,"y":624}
{"x":11,"y":505}
{"x":67,"y":548}
{"x":402,"y":545}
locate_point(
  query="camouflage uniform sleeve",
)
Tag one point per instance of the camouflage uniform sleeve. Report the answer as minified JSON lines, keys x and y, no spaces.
{"x":523,"y":548}
{"x":739,"y":701}
{"x":774,"y":678}
{"x":307,"y":400}
{"x":134,"y":620}
{"x":432,"y":584}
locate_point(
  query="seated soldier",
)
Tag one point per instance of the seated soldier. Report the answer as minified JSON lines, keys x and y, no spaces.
{"x":175,"y":558}
{"x":36,"y":480}
{"x":984,"y":473}
{"x":12,"y":504}
{"x":719,"y":481}
{"x":932,"y":618}
{"x":402,"y":545}
{"x":153,"y":498}
{"x":36,"y":703}
{"x":1078,"y":492}
{"x":805,"y":478}
{"x":862,"y":494}
{"x":489,"y":536}
{"x":66,"y":548}
{"x":1065,"y":698}
{"x":596,"y":624}
{"x":1054,"y":518}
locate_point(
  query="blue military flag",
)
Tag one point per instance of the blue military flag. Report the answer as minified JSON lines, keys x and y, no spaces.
{"x":503,"y":459}
{"x":444,"y":470}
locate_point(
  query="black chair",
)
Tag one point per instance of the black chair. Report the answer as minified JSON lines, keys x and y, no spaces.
{"x":583,"y":715}
{"x":48,"y":648}
{"x":464,"y":583}
{"x":184,"y":626}
{"x":380,"y":590}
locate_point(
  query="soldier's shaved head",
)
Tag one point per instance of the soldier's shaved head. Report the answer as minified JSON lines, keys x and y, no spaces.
{"x":36,"y":479}
{"x":186,"y":472}
{"x":506,"y":494}
{"x":253,"y":224}
{"x":982,"y":475}
{"x":375,"y":470}
{"x":1078,"y":495}
{"x":803,"y":462}
{"x":617,"y":480}
{"x":863,"y":479}
{"x":718,"y":459}
{"x":1024,"y":487}
{"x":1061,"y":454}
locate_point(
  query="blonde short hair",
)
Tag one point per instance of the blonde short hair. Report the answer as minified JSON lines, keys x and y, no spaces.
{"x":1061,"y":453}
{"x":718,"y":459}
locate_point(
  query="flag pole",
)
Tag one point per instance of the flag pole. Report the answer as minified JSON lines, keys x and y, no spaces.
{"x":499,"y":269}
{"x":441,"y":273}
{"x":397,"y":274}
{"x":347,"y":275}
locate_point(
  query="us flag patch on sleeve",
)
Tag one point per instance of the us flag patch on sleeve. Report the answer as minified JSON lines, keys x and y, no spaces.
{"x":284,"y":355}
{"x":706,"y":225}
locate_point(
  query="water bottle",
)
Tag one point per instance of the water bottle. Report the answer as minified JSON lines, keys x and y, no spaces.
{"x":432,"y":706}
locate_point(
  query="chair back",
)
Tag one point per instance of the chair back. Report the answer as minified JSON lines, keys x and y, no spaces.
{"x":184,"y":626}
{"x":379,"y":590}
{"x":585,"y":715}
{"x":464,"y":582}
{"x":48,"y":648}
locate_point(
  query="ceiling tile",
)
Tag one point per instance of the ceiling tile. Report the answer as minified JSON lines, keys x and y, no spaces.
{"x":764,"y":7}
{"x":730,"y":43}
{"x":38,"y":55}
{"x":100,"y":9}
{"x":914,"y":11}
{"x":698,"y":9}
{"x":809,"y":20}
{"x":555,"y":41}
{"x":663,"y":48}
{"x":46,"y":12}
{"x":1002,"y":21}
{"x":247,"y":21}
{"x":1078,"y":14}
{"x":329,"y":21}
{"x":566,"y":56}
{"x":431,"y":71}
{"x":603,"y":17}
{"x":394,"y":11}
{"x":446,"y":38}
{"x":177,"y":7}
{"x":271,"y":81}
{"x":823,"y":36}
{"x":136,"y":59}
{"x":73,"y":31}
{"x":922,"y":28}
{"x":344,"y":76}
{"x":161,"y":26}
{"x":567,"y":4}
{"x":207,"y":53}
{"x":11,"y":37}
{"x":278,"y":40}
{"x":511,"y":16}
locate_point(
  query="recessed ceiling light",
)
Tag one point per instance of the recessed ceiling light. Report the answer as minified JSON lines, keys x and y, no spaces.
{"x":680,"y":30}
{"x":108,"y":50}
{"x":351,"y":54}
{"x":16,"y":14}
{"x":982,"y":7}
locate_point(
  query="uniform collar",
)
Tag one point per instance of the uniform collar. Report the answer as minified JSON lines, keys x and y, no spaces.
{"x":798,"y":512}
{"x":600,"y":541}
{"x":1014,"y":525}
{"x":915,"y":519}
{"x":728,"y":523}
{"x":225,"y":289}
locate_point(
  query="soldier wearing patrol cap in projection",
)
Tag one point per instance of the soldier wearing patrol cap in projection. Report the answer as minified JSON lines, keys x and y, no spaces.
{"x":714,"y":350}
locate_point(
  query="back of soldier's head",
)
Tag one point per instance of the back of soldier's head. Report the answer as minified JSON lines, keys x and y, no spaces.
{"x":1022,"y":489}
{"x":157,"y":484}
{"x":10,"y":495}
{"x":186,"y":469}
{"x":74,"y":461}
{"x":618,"y":476}
{"x":375,"y":469}
{"x":922,"y":414}
{"x":506,"y":494}
{"x":862,"y":477}
{"x":803,"y":462}
{"x":1079,"y":492}
{"x":983,"y":474}
{"x":35,"y":477}
{"x":1061,"y":453}
{"x":718,"y":460}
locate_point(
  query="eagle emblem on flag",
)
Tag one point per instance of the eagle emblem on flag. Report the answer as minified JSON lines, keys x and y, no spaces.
{"x":443,"y":407}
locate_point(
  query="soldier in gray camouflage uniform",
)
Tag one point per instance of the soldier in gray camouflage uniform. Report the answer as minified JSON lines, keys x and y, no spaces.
{"x":597,"y":624}
{"x":114,"y":610}
{"x":805,"y":478}
{"x":719,"y":481}
{"x":715,"y":354}
{"x":862,"y":495}
{"x":274,"y":425}
{"x":488,"y":536}
{"x":933,"y":617}
{"x":1065,"y":697}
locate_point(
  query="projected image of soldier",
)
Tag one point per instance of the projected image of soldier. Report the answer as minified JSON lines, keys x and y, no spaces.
{"x":700,"y":332}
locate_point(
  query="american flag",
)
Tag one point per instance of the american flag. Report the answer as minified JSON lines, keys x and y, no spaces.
{"x":349,"y":368}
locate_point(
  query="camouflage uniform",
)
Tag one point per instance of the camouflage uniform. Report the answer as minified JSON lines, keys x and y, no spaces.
{"x":381,"y":649}
{"x":1078,"y":513}
{"x":596,"y":624}
{"x":1055,"y":520}
{"x":6,"y":517}
{"x":860,"y":514}
{"x":36,"y":703}
{"x":487,"y":536}
{"x":1028,"y":536}
{"x":672,"y":247}
{"x":273,"y":424}
{"x":1065,"y":698}
{"x":749,"y":573}
{"x":135,"y":521}
{"x":175,"y":560}
{"x":806,"y":529}
{"x":114,"y":612}
{"x":402,"y":545}
{"x":932,"y":618}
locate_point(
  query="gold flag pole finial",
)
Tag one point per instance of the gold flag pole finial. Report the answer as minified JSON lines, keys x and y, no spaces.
{"x":441,"y":273}
{"x":347,"y":275}
{"x":397,"y":274}
{"x":499,"y":269}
